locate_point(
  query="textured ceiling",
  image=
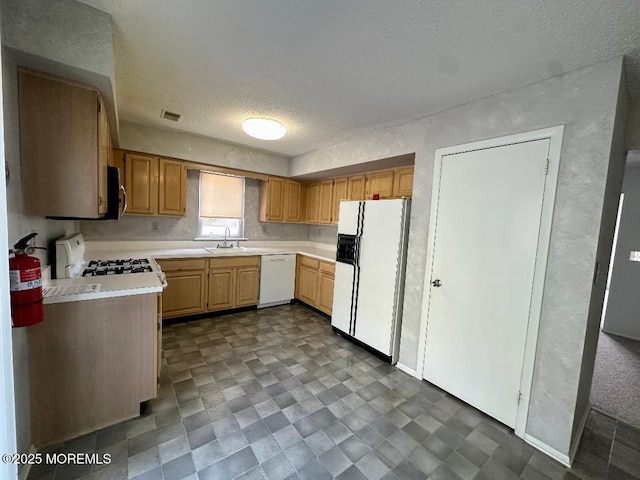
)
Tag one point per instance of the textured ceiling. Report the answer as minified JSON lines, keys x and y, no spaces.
{"x":332,"y":69}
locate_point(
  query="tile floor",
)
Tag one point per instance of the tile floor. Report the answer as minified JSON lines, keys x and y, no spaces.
{"x":275,"y":394}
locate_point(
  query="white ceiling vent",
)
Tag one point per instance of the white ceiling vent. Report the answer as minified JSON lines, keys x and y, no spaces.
{"x":170,"y":116}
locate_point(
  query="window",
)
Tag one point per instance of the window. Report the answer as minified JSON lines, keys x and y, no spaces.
{"x":221,"y":206}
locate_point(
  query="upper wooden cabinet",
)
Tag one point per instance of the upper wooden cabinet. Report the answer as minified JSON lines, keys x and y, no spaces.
{"x":141,"y":184}
{"x":340,"y":192}
{"x":403,"y":182}
{"x":172,"y":187}
{"x":356,"y":187}
{"x":280,"y":200}
{"x":104,"y":155}
{"x":155,"y":186}
{"x":64,"y":147}
{"x":380,"y":183}
{"x":312,"y":214}
{"x":292,"y":201}
{"x":272,"y":200}
{"x":326,"y":202}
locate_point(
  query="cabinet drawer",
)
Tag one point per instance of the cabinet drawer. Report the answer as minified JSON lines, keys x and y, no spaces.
{"x":328,"y":267}
{"x":309,"y":262}
{"x":173,"y":265}
{"x":251,"y":261}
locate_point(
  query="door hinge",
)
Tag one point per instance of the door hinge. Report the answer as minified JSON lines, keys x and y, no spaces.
{"x":546,"y":167}
{"x":99,"y":106}
{"x":519,"y":398}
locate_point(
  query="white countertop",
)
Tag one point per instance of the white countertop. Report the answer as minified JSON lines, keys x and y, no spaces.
{"x":110,"y":286}
{"x":186,"y":249}
{"x":140,"y":283}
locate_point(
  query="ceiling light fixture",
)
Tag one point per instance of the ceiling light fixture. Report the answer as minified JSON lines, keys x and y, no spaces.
{"x":263,"y":128}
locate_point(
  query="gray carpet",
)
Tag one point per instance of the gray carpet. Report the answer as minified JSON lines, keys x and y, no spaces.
{"x":616,"y":378}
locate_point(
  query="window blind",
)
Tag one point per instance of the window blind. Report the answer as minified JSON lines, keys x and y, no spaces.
{"x":221,"y":196}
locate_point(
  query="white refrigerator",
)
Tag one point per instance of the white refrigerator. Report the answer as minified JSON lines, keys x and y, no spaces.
{"x":370,"y":270}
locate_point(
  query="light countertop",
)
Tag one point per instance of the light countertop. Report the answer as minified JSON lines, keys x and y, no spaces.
{"x":109,"y":286}
{"x":186,"y":249}
{"x":141,"y":283}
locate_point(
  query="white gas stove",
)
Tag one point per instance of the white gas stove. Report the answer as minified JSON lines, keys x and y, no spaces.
{"x":71,"y":262}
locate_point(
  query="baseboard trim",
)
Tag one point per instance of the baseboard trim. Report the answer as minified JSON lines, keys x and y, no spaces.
{"x":622,"y":335}
{"x":25,"y":468}
{"x":408,"y":370}
{"x":578,"y":434}
{"x":544,"y":448}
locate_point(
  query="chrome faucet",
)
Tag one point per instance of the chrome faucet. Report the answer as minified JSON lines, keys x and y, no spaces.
{"x":227,"y":233}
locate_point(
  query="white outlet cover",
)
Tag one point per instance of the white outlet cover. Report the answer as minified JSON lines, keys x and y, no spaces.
{"x":634,"y":256}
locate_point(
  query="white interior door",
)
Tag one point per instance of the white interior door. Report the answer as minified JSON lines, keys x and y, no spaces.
{"x":487,"y":224}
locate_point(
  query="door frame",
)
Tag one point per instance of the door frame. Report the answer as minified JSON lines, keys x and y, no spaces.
{"x":555,"y":135}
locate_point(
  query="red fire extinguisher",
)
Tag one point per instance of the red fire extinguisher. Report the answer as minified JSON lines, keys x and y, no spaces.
{"x":25,"y":285}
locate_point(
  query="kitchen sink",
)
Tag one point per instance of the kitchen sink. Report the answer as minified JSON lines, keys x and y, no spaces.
{"x":232,"y":250}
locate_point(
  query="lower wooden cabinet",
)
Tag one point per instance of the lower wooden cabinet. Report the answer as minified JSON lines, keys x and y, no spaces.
{"x":202,"y":285}
{"x":185,"y":293}
{"x":314,"y":282}
{"x":221,"y":286}
{"x":198,"y":285}
{"x":233,"y":282}
{"x":247,"y":282}
{"x":91,"y":364}
{"x":325,"y":287}
{"x":307,"y":276}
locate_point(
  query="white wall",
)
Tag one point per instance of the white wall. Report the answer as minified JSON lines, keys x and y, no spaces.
{"x":612,"y":192}
{"x":200,"y":149}
{"x":7,"y":407}
{"x":623,"y":307}
{"x":633,"y":126}
{"x":65,"y":38}
{"x":585,"y":102}
{"x":74,"y":40}
{"x":20,"y":225}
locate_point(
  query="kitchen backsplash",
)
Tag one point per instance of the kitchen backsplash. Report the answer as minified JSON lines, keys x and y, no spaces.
{"x":323,"y":234}
{"x":139,"y":227}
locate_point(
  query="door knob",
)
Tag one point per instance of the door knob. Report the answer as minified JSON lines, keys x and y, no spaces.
{"x":436,"y":283}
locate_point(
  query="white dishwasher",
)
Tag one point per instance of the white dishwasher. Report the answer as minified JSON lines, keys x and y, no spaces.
{"x":277,"y":279}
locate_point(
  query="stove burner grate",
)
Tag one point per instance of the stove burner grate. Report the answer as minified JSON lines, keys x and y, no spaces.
{"x":97,"y":268}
